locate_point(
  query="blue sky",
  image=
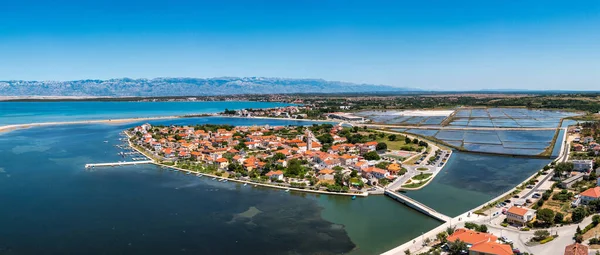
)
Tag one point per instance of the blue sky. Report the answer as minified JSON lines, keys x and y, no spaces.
{"x":438,"y":45}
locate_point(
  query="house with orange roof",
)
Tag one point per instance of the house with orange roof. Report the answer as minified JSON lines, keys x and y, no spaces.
{"x":275,"y":175}
{"x":491,"y":248}
{"x":590,"y":194}
{"x":576,"y":249}
{"x":326,"y":175}
{"x":519,"y":215}
{"x":360,"y":166}
{"x":379,"y":173}
{"x":394,"y":168}
{"x":471,"y":237}
{"x":222,"y":163}
{"x":168,"y":153}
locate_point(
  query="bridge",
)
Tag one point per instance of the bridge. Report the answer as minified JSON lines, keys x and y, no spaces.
{"x":414,"y":204}
{"x":125,"y":163}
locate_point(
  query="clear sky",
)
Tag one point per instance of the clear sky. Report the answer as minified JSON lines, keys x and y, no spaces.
{"x":438,"y":45}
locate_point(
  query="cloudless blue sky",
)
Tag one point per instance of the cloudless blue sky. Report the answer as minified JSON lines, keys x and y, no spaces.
{"x":438,"y":45}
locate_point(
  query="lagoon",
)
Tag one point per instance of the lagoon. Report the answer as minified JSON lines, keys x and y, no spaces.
{"x":36,"y":112}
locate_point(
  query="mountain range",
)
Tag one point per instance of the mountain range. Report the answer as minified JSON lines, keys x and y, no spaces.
{"x":126,"y":87}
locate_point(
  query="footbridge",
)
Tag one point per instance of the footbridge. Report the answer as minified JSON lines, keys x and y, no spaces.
{"x":124,"y":163}
{"x":414,"y":204}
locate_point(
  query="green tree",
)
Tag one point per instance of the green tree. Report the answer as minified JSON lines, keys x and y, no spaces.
{"x":482,"y":228}
{"x":392,"y":138}
{"x":546,"y":215}
{"x":371,"y":155}
{"x":559,"y":217}
{"x":381,"y":146}
{"x":441,"y":237}
{"x":407,"y":140}
{"x":450,"y":230}
{"x":325,"y":138}
{"x":541,"y":235}
{"x":353,"y":174}
{"x":294,"y":167}
{"x":578,"y":214}
{"x":457,"y":248}
{"x":415,"y":141}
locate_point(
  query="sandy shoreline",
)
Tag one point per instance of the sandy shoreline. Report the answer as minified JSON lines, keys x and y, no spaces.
{"x":8,"y":128}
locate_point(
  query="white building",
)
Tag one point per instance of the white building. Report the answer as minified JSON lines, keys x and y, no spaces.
{"x":583,"y":165}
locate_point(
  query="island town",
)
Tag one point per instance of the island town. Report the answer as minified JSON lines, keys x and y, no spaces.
{"x":321,"y":157}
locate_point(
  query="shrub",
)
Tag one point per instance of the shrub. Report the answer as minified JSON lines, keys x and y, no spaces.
{"x":525,"y":229}
{"x":504,"y":224}
{"x":547,"y":240}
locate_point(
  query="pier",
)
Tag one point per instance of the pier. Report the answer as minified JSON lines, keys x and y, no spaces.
{"x":125,"y":163}
{"x":414,"y":204}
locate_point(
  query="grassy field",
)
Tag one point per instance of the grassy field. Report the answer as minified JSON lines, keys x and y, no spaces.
{"x":397,"y":144}
{"x":421,"y":176}
{"x":413,"y":185}
{"x":422,"y":168}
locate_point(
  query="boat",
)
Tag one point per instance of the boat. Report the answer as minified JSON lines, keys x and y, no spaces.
{"x":214,"y":178}
{"x":189,"y":173}
{"x":287,"y":190}
{"x":245,"y":184}
{"x":353,"y":197}
{"x":255,"y":185}
{"x":225,"y":180}
{"x":105,"y":141}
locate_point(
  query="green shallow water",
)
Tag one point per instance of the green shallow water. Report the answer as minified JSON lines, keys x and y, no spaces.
{"x":56,"y":207}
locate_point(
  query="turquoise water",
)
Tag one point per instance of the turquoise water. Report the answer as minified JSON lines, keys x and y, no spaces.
{"x":31,"y":112}
{"x":470,"y":179}
{"x":57,"y":207}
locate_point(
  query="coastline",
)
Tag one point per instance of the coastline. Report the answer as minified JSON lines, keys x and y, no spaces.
{"x":431,"y":234}
{"x":8,"y":128}
{"x":363,"y":194}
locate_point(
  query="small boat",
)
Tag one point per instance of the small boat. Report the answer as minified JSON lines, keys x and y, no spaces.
{"x":225,"y":180}
{"x":105,"y":141}
{"x":287,"y":190}
{"x":189,"y":173}
{"x":353,"y":197}
{"x":245,"y":184}
{"x":214,"y":178}
{"x":255,"y":185}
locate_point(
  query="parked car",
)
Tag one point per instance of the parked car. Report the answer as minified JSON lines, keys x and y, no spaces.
{"x":507,"y":201}
{"x":516,"y":196}
{"x":528,"y":201}
{"x":530,"y":186}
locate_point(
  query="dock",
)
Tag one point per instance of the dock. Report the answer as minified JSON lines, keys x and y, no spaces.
{"x":414,"y":204}
{"x":125,"y":163}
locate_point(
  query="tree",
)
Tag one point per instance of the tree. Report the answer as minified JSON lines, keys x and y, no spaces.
{"x":294,"y":167}
{"x":546,"y":167}
{"x":381,"y":146}
{"x":353,"y":174}
{"x":596,"y":219}
{"x":441,"y":237}
{"x":457,"y":248}
{"x":371,"y":155}
{"x":407,"y":140}
{"x":279,"y":156}
{"x":539,"y":235}
{"x":482,"y":228}
{"x":415,"y":141}
{"x":325,"y":138}
{"x":558,"y":217}
{"x":392,"y":138}
{"x":563,"y":167}
{"x":546,"y":215}
{"x":578,"y":214}
{"x":450,"y":230}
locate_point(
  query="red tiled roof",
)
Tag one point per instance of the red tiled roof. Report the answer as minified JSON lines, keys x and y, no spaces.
{"x":591,"y":192}
{"x":471,"y":237}
{"x":492,"y":248}
{"x":518,"y":211}
{"x":576,"y":249}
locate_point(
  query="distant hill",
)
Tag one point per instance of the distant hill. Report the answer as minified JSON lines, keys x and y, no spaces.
{"x":185,"y":87}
